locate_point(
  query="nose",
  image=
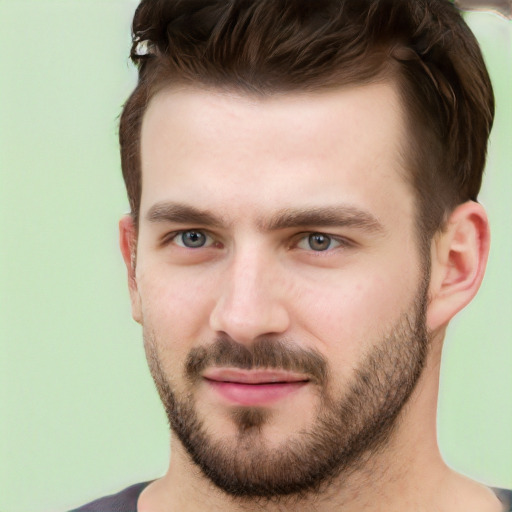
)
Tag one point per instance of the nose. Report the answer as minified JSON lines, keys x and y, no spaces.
{"x":250,"y":303}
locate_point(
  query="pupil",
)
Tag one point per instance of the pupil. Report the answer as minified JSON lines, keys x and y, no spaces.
{"x":193,"y":239}
{"x":319,"y":242}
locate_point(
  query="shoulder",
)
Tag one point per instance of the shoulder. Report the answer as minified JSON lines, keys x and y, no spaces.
{"x":124,"y":501}
{"x":505,"y":496}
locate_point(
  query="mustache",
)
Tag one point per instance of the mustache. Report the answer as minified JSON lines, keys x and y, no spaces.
{"x":261,"y":354}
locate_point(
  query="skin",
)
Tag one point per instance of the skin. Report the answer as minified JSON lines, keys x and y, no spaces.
{"x":245,"y":160}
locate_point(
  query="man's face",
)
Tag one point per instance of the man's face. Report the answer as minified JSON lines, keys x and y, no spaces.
{"x":278,"y":280}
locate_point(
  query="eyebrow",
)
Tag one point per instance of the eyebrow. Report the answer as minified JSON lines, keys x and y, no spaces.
{"x":182,"y":214}
{"x":332,"y":216}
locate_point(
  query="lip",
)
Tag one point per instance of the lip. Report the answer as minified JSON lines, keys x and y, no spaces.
{"x":255,"y":387}
{"x":252,"y":376}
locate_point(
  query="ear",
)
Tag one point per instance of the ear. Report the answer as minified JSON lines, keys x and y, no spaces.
{"x":128,"y":246}
{"x":459,"y":257}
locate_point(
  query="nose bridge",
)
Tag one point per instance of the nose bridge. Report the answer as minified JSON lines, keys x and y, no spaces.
{"x":250,"y":301}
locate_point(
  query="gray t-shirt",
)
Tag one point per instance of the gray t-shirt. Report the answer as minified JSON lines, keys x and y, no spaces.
{"x":126,"y":500}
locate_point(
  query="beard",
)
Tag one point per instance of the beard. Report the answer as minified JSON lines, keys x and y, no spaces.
{"x":350,"y":425}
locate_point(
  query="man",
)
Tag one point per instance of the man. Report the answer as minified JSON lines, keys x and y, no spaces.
{"x":303,"y":180}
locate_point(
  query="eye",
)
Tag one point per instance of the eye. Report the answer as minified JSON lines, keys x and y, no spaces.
{"x":318,"y":242}
{"x":192,"y":239}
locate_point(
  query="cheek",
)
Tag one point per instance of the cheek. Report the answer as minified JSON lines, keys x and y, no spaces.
{"x":175,"y":305}
{"x":345,"y":317}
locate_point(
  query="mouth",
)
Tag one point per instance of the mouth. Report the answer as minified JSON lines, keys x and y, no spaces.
{"x":253,"y":387}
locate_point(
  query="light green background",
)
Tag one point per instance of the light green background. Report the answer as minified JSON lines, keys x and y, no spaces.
{"x":78,"y":414}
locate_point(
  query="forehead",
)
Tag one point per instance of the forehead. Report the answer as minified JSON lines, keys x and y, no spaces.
{"x":226,"y":151}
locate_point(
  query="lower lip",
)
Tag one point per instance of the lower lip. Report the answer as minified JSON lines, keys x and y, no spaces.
{"x":254,"y":394}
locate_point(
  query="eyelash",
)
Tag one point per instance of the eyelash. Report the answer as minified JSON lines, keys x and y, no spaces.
{"x":341,"y":241}
{"x":170,"y":237}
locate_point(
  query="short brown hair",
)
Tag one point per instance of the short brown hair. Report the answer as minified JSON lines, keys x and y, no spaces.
{"x":269,"y":46}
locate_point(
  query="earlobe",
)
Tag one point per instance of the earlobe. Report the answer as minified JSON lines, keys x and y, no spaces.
{"x":128,"y":246}
{"x":459,"y":258}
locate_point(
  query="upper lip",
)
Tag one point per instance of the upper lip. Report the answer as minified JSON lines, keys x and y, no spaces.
{"x":260,"y":376}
